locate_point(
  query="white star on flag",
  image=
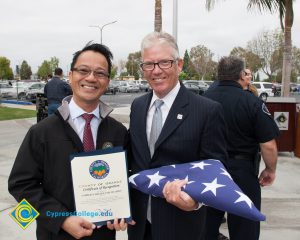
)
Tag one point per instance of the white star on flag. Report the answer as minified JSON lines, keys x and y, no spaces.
{"x":225,"y":173}
{"x":200,"y":165}
{"x":154,"y":179}
{"x":131,"y":179}
{"x":212,"y":187}
{"x":188,"y":182}
{"x":244,"y":198}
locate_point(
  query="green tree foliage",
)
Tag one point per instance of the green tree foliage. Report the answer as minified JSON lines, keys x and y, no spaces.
{"x":17,"y":69}
{"x":251,"y":59}
{"x":54,"y":61}
{"x":44,"y":70}
{"x":183,"y":76}
{"x":201,"y":58}
{"x":132,"y":64}
{"x":187,"y":68}
{"x":25,"y":70}
{"x":5,"y":69}
{"x":114,"y":71}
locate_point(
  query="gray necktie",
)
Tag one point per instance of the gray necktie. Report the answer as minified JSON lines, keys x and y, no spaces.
{"x":156,"y":125}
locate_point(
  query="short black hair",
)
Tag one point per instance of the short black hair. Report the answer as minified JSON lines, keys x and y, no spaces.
{"x":58,"y":71}
{"x":230,"y":68}
{"x":96,"y":47}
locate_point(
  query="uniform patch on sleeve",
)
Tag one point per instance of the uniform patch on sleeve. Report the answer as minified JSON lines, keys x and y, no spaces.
{"x":265,"y":109}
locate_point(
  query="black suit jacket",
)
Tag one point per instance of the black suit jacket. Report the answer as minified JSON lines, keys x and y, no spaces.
{"x":194,"y":129}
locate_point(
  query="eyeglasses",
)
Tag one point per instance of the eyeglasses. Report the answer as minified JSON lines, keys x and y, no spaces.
{"x":163,"y":64}
{"x":248,"y":73}
{"x":84,"y":72}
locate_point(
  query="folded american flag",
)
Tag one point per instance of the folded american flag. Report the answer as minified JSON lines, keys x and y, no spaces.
{"x":208,"y":183}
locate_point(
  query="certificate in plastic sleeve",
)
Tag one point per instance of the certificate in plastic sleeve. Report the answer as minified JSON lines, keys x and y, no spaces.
{"x":100,"y":185}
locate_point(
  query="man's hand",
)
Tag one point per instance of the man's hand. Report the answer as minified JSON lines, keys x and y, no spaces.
{"x":174,"y":195}
{"x":269,"y":154}
{"x":266,"y":177}
{"x":119,"y":226}
{"x":78,"y":227}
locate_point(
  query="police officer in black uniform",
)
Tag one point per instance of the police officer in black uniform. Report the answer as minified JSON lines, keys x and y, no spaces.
{"x":250,"y":126}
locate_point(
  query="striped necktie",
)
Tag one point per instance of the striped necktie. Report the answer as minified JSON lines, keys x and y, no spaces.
{"x":88,"y":142}
{"x":156,"y":125}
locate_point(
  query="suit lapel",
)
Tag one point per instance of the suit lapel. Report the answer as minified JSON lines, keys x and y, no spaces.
{"x":141,"y":125}
{"x":177,"y":115}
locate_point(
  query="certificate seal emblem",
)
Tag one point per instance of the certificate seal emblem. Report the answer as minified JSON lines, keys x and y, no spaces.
{"x":99,"y":169}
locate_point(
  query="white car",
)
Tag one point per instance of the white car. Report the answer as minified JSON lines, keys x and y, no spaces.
{"x":23,"y":87}
{"x":7,"y":91}
{"x":264,"y":89}
{"x":126,"y":87}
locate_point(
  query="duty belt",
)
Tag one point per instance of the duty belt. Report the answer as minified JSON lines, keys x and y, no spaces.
{"x":243,"y":156}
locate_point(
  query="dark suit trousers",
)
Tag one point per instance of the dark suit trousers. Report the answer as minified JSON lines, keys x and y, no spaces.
{"x":148,"y":229}
{"x":243,"y":173}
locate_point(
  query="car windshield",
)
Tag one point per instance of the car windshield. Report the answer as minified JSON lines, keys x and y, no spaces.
{"x":268,"y":85}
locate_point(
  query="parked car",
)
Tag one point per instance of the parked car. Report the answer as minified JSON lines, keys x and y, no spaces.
{"x":202,"y":85}
{"x":33,"y":90}
{"x":294,"y":87}
{"x":194,"y":88}
{"x":208,"y":82}
{"x":276,"y":89}
{"x":264,"y":89}
{"x":21,"y":87}
{"x":7,"y":91}
{"x":143,"y":85}
{"x":126,"y":86}
{"x":112,"y":88}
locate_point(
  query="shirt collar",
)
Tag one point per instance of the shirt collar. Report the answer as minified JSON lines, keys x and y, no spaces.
{"x":169,"y":98}
{"x":76,"y":111}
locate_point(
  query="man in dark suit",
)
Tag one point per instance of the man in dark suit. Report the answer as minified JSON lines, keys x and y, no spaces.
{"x":189,"y":127}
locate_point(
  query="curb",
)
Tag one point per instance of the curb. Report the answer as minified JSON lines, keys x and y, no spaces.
{"x":16,"y":102}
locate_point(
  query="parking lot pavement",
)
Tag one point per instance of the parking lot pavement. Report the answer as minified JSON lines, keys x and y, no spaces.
{"x":281,"y":202}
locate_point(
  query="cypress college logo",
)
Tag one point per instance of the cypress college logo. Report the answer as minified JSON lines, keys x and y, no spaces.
{"x":24,"y":214}
{"x":99,"y":169}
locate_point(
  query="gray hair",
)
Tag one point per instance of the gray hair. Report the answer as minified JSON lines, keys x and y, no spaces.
{"x":230,"y":68}
{"x":160,"y":38}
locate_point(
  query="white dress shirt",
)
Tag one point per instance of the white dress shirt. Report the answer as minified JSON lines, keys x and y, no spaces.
{"x":79,"y":122}
{"x":165,"y":108}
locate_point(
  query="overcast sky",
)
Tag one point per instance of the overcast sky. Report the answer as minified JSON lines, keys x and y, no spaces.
{"x":36,"y":30}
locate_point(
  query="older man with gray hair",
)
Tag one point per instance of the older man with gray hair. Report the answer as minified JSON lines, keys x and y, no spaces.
{"x":170,"y":125}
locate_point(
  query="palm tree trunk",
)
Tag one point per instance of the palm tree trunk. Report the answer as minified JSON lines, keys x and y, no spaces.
{"x":158,"y":16}
{"x":287,"y":49}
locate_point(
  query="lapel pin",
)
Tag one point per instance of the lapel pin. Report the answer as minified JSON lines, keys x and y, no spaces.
{"x":179,"y":116}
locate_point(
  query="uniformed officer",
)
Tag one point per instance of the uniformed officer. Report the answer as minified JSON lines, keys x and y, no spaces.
{"x":250,"y":126}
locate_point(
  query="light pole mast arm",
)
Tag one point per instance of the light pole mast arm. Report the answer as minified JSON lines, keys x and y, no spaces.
{"x":101,"y":28}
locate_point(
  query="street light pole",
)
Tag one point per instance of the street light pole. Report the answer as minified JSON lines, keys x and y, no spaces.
{"x":175,"y":18}
{"x":101,"y":28}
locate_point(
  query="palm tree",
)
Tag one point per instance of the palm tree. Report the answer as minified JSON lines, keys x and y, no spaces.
{"x":287,"y":48}
{"x":286,"y":13}
{"x":285,"y":9}
{"x":158,"y":16}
